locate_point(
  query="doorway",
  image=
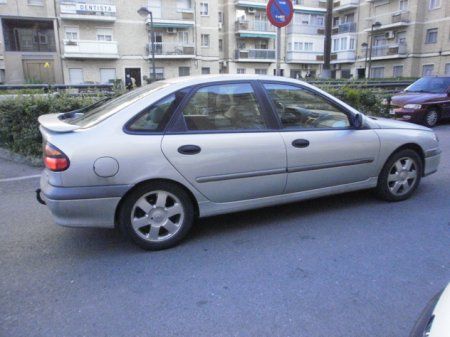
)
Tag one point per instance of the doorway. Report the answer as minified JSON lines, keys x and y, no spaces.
{"x":134,"y":73}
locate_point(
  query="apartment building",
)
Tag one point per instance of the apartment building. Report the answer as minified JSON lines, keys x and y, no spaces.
{"x":96,"y":41}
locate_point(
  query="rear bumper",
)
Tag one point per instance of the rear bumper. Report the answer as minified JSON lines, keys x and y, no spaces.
{"x":432,"y":160}
{"x":92,"y":206}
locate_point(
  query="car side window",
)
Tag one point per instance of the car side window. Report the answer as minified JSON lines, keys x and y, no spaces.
{"x":224,"y":107}
{"x":299,"y":108}
{"x":156,"y":116}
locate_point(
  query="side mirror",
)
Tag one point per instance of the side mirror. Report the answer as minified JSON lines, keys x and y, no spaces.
{"x":357,"y":121}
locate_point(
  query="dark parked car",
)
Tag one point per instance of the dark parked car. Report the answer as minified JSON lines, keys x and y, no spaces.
{"x":426,"y":101}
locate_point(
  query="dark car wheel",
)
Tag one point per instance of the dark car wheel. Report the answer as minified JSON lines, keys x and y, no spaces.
{"x":400,"y":176}
{"x":431,"y":118}
{"x":156,"y":215}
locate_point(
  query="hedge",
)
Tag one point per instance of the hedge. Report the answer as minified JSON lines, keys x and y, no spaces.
{"x":19,"y":128}
{"x":19,"y":131}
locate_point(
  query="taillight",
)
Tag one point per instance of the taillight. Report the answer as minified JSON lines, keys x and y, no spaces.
{"x":55,"y":159}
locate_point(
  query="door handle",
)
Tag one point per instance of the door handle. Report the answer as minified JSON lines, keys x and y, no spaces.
{"x":300,"y":143}
{"x":189,"y":149}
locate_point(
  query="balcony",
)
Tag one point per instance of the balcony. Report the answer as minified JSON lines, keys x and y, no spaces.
{"x":255,"y":55}
{"x":85,"y":49}
{"x":311,"y":57}
{"x":388,"y":51}
{"x":397,"y":19}
{"x":172,"y":50}
{"x":345,"y":5}
{"x":343,"y":56}
{"x":173,"y":16}
{"x":306,"y":29}
{"x":255,"y":29}
{"x":93,"y":10}
{"x":251,"y":3}
{"x":348,"y":27}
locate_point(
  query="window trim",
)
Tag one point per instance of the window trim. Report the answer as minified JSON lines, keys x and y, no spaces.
{"x":178,"y":124}
{"x":337,"y":105}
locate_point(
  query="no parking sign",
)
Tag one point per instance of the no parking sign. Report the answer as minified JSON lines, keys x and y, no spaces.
{"x":280,"y":12}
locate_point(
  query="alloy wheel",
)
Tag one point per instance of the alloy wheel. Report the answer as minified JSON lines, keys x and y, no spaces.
{"x":431,"y":118}
{"x":402,"y":176}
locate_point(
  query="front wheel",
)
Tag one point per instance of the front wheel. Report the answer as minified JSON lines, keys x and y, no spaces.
{"x":431,"y":118}
{"x":400,"y":176}
{"x":156,"y":215}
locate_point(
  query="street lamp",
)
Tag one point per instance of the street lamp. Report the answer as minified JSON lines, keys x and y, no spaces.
{"x":144,"y":12}
{"x":375,"y":25}
{"x":365,"y":45}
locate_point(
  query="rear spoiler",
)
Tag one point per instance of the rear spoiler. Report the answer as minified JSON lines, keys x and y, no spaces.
{"x":53,"y":122}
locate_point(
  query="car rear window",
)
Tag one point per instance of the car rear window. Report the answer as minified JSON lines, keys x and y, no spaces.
{"x":100,"y":112}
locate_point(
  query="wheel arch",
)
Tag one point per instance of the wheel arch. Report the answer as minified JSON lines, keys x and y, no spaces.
{"x":411,"y":146}
{"x":149,"y":181}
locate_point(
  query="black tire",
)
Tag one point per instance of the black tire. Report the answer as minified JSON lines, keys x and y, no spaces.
{"x":383,"y":189}
{"x":431,"y":118}
{"x":125,"y":215}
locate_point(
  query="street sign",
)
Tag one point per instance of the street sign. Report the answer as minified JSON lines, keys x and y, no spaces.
{"x":280,"y":12}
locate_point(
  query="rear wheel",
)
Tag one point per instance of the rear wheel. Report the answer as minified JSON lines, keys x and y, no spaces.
{"x":400,"y":176}
{"x":431,"y":118}
{"x":157,"y":215}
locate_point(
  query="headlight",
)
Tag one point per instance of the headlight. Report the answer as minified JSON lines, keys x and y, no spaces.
{"x":412,"y":106}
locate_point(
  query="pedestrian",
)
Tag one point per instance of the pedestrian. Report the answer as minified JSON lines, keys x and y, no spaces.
{"x":128,"y":82}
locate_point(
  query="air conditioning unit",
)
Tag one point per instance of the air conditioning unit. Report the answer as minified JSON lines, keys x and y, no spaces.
{"x":251,"y":10}
{"x":171,"y":30}
{"x":389,"y":35}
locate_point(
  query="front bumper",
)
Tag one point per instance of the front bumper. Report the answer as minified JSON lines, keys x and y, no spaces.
{"x":432,"y":160}
{"x":92,"y":206}
{"x":408,"y":115}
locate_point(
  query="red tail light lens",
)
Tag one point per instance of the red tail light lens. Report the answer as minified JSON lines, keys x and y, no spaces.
{"x":54,"y":159}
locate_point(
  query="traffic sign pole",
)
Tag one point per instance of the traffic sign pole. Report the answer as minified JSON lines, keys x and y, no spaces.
{"x":280,"y":14}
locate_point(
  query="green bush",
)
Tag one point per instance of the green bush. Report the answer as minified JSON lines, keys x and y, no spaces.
{"x":19,"y":128}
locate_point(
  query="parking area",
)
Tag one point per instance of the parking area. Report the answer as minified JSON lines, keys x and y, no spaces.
{"x":347,"y":265}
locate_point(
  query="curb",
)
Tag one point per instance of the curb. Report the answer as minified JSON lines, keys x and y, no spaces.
{"x":20,"y":159}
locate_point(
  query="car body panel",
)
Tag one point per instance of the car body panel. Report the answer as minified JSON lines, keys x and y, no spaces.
{"x":234,"y":171}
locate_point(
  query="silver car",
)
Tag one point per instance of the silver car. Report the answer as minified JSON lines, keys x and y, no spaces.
{"x":153,"y":160}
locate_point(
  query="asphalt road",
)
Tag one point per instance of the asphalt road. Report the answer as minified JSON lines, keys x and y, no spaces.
{"x":348,"y":265}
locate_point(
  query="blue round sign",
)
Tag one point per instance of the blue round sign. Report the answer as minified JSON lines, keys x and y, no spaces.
{"x":280,"y":12}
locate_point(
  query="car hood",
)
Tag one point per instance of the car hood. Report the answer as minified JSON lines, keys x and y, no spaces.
{"x":416,"y":98}
{"x":385,"y":123}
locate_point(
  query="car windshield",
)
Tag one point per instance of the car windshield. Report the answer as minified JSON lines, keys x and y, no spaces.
{"x":430,"y":84}
{"x":98,"y":112}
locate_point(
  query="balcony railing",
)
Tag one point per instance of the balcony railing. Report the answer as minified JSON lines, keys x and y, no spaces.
{"x":173,"y":50}
{"x":345,"y":4}
{"x":400,"y":17}
{"x":344,"y":55}
{"x":101,"y":10}
{"x":171,"y":11}
{"x":348,"y":27}
{"x":388,"y":50}
{"x":91,"y":49}
{"x":254,"y":25}
{"x":254,"y":54}
{"x":396,"y":19}
{"x":306,"y":29}
{"x":304,"y":56}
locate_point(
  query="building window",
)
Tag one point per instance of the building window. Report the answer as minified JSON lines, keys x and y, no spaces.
{"x":431,"y":36}
{"x":206,"y":70}
{"x":261,"y":71}
{"x":36,"y":2}
{"x":343,"y":43}
{"x":397,"y":71}
{"x":183,"y":5}
{"x":220,"y":17}
{"x":377,"y":72}
{"x":104,"y":34}
{"x":447,"y":69}
{"x":308,"y":46}
{"x":205,"y":40}
{"x":183,"y":38}
{"x":403,"y":5}
{"x":427,"y":70}
{"x":220,"y":45}
{"x":204,"y":9}
{"x":184,"y":71}
{"x":71,"y":33}
{"x":159,"y":73}
{"x":28,"y":35}
{"x":241,"y":70}
{"x":107,"y":75}
{"x":352,"y":44}
{"x":435,"y":4}
{"x":76,"y":75}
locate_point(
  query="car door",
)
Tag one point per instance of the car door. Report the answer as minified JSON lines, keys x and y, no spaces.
{"x":226,"y":148}
{"x":323,"y":149}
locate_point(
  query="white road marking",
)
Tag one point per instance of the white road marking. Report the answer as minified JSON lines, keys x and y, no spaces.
{"x":20,"y":178}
